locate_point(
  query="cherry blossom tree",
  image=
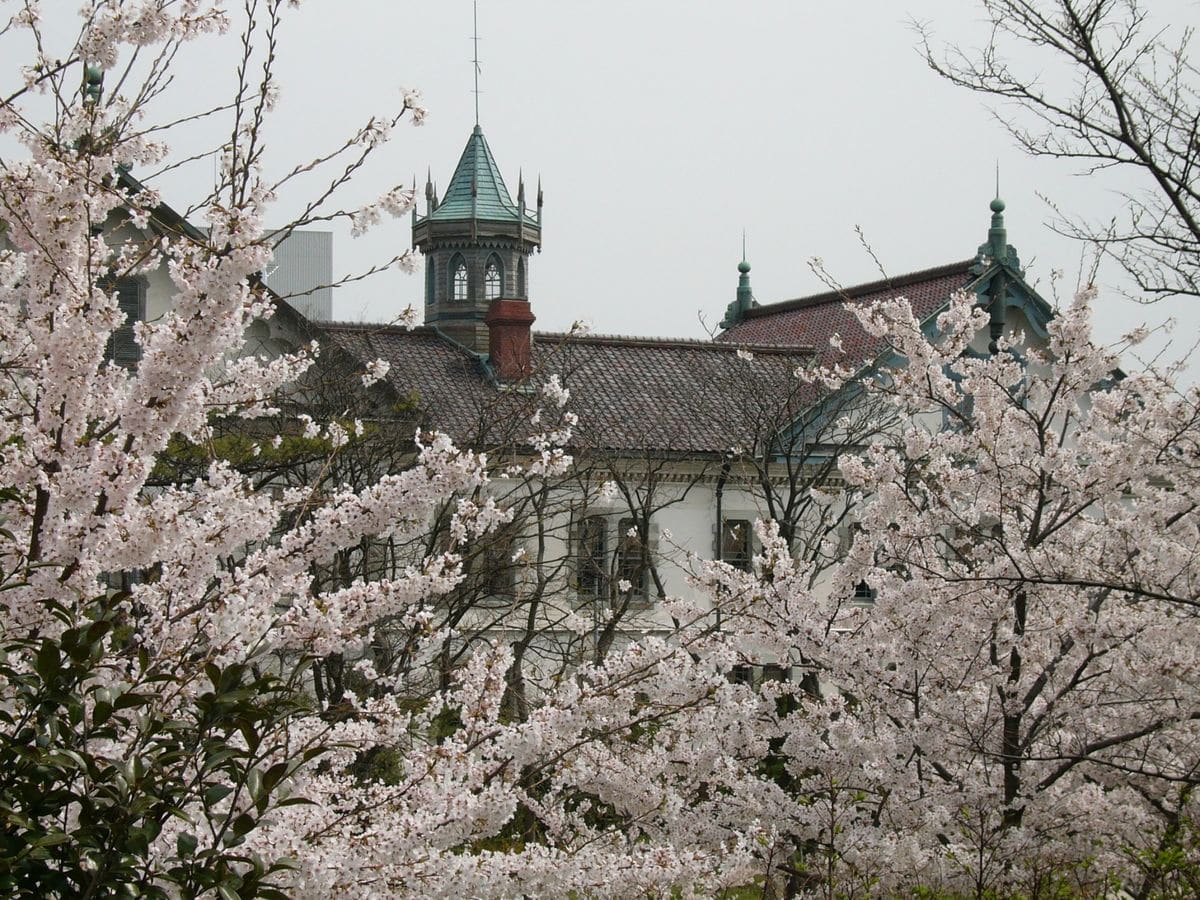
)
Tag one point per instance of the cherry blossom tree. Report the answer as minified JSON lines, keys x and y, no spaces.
{"x":1016,"y":712}
{"x":158,"y":732}
{"x":1129,"y":103}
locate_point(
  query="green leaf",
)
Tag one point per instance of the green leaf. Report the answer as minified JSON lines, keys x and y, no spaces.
{"x":185,"y":844}
{"x":243,"y":824}
{"x":47,"y":664}
{"x":130,"y":699}
{"x":97,"y":630}
{"x":254,"y":783}
{"x":101,"y":713}
{"x":216,"y":794}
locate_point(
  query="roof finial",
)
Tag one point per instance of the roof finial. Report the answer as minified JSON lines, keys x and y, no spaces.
{"x":475,"y":58}
{"x":745,"y":295}
{"x":996,"y":249}
{"x":93,"y":84}
{"x":998,"y":234}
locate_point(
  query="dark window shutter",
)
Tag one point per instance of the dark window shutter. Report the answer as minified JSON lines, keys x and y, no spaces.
{"x":591,"y":556}
{"x":122,"y":348}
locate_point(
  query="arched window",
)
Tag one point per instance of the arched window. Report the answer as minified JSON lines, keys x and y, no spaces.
{"x":521,"y":278}
{"x":492,"y":279}
{"x":459,"y":283}
{"x":430,"y":280}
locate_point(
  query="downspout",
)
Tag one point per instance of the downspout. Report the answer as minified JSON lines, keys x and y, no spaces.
{"x":720,"y":517}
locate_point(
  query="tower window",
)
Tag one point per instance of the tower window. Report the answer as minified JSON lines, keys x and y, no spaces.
{"x":430,"y":280}
{"x":491,"y":280}
{"x":461,"y":292}
{"x":521,"y":278}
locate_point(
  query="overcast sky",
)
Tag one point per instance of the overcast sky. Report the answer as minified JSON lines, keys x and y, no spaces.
{"x":663,"y":128}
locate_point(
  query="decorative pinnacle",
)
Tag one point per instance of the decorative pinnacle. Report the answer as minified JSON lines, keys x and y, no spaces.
{"x":998,"y":234}
{"x":997,"y":249}
{"x":745,"y":297}
{"x":745,"y":294}
{"x":93,"y":84}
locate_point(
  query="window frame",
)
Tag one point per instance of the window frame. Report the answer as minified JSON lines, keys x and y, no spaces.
{"x":742,"y":558}
{"x":591,"y":556}
{"x":458,"y":264}
{"x":493,"y":279}
{"x":864,"y":595}
{"x":631,"y":558}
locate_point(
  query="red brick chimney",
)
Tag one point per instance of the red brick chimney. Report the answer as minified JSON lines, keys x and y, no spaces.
{"x":508,"y":323}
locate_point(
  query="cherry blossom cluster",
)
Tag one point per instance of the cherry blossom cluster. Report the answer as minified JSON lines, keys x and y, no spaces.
{"x":1018,"y":701}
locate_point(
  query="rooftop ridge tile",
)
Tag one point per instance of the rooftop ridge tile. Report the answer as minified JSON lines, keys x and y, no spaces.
{"x":856,"y":291}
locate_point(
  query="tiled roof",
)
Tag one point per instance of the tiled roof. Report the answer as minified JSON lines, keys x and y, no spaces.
{"x":631,"y":394}
{"x":814,"y":320}
{"x":446,"y":381}
{"x":639,"y":394}
{"x":636,"y":395}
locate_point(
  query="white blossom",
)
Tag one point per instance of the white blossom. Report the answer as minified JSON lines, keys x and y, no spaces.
{"x":377,"y":370}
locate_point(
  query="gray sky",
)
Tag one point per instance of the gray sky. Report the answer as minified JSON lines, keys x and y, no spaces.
{"x":662,"y":129}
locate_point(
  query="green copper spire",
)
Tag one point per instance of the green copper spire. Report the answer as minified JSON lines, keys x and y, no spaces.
{"x":736,"y":310}
{"x":476,"y":190}
{"x":998,"y":234}
{"x":997,"y":249}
